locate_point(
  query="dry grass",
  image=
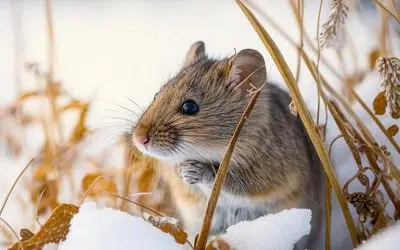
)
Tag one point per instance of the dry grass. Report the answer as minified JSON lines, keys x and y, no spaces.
{"x":60,"y":155}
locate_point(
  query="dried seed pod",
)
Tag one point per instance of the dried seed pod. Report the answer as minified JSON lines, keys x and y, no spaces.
{"x":366,"y":205}
{"x":389,"y":67}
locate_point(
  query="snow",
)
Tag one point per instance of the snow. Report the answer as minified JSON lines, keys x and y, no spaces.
{"x":278,"y":231}
{"x":386,"y":240}
{"x":51,"y":246}
{"x":106,"y":228}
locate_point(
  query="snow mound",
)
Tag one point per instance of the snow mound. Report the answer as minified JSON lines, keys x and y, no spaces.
{"x":278,"y":231}
{"x":107,"y":228}
{"x":385,"y":240}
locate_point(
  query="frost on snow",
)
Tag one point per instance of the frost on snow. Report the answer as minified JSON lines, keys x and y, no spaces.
{"x":386,"y":240}
{"x":106,"y":228}
{"x":278,"y":231}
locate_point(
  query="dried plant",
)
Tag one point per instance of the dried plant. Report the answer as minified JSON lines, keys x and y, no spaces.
{"x":362,"y":144}
{"x":53,"y":231}
{"x":333,"y":34}
{"x":389,"y":67}
{"x":139,"y":173}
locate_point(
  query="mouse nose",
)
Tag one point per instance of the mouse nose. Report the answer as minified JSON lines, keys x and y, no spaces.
{"x":141,"y":139}
{"x":141,"y":135}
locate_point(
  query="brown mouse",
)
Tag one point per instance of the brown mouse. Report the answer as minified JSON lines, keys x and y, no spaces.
{"x":189,"y":125}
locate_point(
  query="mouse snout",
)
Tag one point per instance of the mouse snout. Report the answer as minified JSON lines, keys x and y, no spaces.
{"x":141,"y":139}
{"x":141,"y":136}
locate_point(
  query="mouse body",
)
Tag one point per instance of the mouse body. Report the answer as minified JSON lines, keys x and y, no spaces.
{"x":189,"y":125}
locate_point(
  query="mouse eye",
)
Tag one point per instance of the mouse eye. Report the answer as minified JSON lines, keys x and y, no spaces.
{"x":190,"y":107}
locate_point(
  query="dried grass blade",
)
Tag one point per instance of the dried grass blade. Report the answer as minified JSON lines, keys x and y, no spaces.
{"x":14,"y":184}
{"x":328,"y":214}
{"x":304,"y":115}
{"x":221,"y":174}
{"x":387,"y":10}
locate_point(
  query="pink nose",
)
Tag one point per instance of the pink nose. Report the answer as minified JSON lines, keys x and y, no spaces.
{"x":143,"y":139}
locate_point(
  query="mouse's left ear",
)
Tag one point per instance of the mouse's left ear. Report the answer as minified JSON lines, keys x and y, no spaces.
{"x":196,"y":51}
{"x":247,"y":71}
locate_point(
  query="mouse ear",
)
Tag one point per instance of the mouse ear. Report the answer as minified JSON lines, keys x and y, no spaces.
{"x":247,"y":71}
{"x":196,"y":51}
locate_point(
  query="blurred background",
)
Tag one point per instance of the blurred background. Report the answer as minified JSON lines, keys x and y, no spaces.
{"x":108,"y":55}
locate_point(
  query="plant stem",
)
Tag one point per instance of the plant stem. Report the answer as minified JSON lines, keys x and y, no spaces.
{"x":387,"y":10}
{"x":328,"y":214}
{"x":51,"y":87}
{"x":221,"y":174}
{"x":13,"y":185}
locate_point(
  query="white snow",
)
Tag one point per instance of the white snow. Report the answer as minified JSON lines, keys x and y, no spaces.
{"x":50,"y":246}
{"x":106,"y":228}
{"x":386,"y":240}
{"x":278,"y":231}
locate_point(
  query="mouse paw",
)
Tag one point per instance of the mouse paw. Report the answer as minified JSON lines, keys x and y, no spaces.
{"x":193,"y":172}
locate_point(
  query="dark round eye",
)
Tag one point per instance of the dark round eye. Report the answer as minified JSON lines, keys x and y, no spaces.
{"x":190,"y":107}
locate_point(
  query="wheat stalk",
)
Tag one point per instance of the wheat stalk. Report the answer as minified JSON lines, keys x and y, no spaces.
{"x":333,"y":34}
{"x":389,"y":67}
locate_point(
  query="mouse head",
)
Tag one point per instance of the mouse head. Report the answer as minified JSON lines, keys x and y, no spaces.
{"x":195,"y":113}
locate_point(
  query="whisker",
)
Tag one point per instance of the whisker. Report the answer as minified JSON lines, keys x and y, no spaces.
{"x":129,"y":110}
{"x":135,"y":103}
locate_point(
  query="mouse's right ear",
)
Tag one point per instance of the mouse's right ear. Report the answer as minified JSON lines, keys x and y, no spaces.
{"x":196,"y":51}
{"x":247,"y":71}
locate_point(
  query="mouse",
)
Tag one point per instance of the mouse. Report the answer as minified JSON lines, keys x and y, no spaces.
{"x":188,"y":127}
